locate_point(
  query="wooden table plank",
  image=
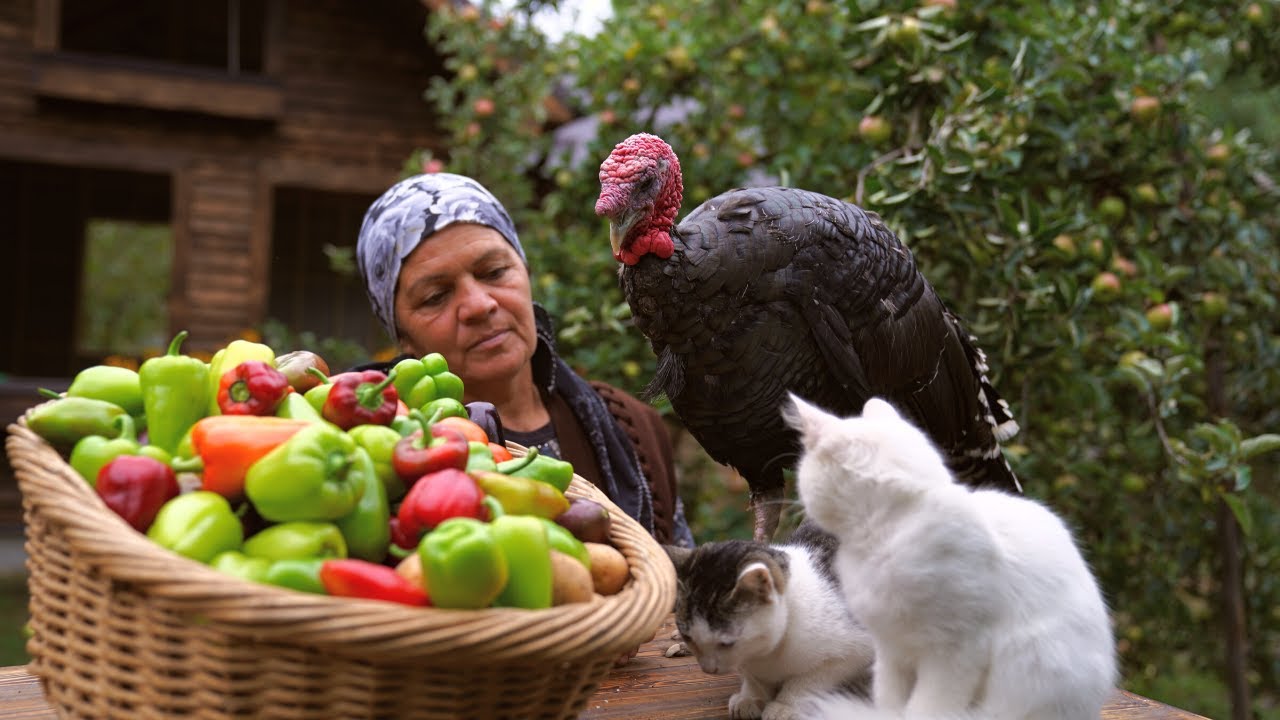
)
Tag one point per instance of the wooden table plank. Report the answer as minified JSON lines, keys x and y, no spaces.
{"x":650,"y":687}
{"x":653,"y":686}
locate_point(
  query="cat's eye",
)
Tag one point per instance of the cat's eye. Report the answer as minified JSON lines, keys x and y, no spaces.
{"x":725,"y":644}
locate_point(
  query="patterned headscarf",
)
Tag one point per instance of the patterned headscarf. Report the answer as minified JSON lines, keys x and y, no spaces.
{"x":411,"y":211}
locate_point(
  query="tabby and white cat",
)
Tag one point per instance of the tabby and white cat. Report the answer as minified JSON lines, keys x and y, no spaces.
{"x":978,"y":602}
{"x":775,"y":615}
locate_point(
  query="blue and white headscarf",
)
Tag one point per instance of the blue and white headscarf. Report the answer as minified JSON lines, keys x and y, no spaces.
{"x":411,"y":211}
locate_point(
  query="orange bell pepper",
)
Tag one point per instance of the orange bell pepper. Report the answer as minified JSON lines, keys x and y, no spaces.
{"x":229,"y":444}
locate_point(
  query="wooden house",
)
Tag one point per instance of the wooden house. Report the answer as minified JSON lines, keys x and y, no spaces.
{"x":256,"y":132}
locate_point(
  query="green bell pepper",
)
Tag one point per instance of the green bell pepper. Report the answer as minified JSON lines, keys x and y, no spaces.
{"x":236,"y":352}
{"x":295,"y":407}
{"x":198,"y":525}
{"x":380,"y":442}
{"x":557,"y":473}
{"x":117,"y":385}
{"x":522,"y":496}
{"x":523,"y":540}
{"x":237,"y":564}
{"x":446,"y":407}
{"x":302,"y":574}
{"x":420,"y":381}
{"x":462,"y":565}
{"x":66,"y":420}
{"x":319,"y":395}
{"x":313,"y":475}
{"x":367,"y":528}
{"x":564,"y":541}
{"x":405,"y":425}
{"x":91,"y":453}
{"x":480,"y":458}
{"x":296,"y":540}
{"x":175,"y":394}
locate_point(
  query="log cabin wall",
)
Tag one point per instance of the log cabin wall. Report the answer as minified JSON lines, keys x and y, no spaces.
{"x":332,"y":103}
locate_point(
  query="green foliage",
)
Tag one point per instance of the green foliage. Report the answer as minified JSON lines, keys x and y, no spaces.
{"x":1059,"y":174}
{"x":123,"y":288}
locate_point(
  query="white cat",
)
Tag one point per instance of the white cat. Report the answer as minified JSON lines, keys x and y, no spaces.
{"x":775,"y":615}
{"x":978,"y":602}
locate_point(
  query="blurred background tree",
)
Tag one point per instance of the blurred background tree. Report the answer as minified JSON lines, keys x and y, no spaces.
{"x":1091,"y":185}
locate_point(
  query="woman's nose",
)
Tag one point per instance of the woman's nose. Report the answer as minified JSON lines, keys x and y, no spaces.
{"x":474,"y":300}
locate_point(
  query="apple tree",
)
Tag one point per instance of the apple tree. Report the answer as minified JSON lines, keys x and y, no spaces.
{"x":1062,"y":180}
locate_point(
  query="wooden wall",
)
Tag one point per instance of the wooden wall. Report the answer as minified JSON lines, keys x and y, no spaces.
{"x":338,"y":109}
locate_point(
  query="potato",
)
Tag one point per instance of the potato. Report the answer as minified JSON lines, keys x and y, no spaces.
{"x":570,"y":580}
{"x":410,"y":568}
{"x":609,"y":571}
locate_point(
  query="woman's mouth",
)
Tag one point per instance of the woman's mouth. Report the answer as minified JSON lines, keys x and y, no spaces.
{"x":491,"y":341}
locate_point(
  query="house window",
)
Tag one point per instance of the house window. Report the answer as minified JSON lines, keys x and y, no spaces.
{"x":87,"y":253}
{"x":226,"y":36}
{"x":315,"y":287}
{"x":123,"y":287}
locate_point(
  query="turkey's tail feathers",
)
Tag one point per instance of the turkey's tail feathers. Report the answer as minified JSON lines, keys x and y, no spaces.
{"x":843,"y":706}
{"x":989,"y":466}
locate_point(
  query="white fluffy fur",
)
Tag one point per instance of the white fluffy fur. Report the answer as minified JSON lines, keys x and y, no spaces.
{"x":978,"y":602}
{"x":800,"y":642}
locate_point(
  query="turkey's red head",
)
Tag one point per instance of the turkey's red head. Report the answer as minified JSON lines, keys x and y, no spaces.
{"x":640,"y":193}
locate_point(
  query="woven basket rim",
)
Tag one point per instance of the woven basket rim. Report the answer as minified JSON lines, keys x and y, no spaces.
{"x":351,"y":627}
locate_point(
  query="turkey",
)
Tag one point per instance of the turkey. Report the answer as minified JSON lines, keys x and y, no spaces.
{"x":764,"y":291}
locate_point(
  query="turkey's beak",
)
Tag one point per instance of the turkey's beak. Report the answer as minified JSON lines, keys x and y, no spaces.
{"x":616,"y":234}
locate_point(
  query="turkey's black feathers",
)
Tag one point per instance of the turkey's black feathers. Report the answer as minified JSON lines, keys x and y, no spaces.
{"x":777,"y":290}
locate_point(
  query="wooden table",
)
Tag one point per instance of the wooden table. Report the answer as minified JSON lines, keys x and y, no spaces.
{"x":650,"y":687}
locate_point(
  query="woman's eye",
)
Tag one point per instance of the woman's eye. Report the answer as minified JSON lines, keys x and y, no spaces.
{"x":431,"y":300}
{"x":493,"y":273}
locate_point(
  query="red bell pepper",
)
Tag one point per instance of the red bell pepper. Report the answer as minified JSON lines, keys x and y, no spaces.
{"x":252,"y":388}
{"x":437,"y":497}
{"x":135,"y":487}
{"x":361,"y":398}
{"x":400,"y":539}
{"x":229,"y":444}
{"x":416,"y":455}
{"x":363,"y":579}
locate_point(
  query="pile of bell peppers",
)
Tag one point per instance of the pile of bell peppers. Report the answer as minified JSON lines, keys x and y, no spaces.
{"x":325,"y":484}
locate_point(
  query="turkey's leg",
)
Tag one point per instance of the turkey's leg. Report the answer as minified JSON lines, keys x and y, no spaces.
{"x":766,"y":507}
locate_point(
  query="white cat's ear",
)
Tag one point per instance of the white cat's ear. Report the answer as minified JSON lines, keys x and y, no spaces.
{"x":877,"y":409}
{"x":806,"y":419}
{"x":758,"y":581}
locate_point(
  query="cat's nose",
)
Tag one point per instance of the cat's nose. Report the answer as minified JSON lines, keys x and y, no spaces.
{"x":709,"y":665}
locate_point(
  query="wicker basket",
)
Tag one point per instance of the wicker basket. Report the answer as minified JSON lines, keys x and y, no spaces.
{"x":126,"y":629}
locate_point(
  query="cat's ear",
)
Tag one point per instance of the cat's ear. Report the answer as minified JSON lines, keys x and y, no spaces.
{"x":759,"y":581}
{"x":679,"y":556}
{"x":877,"y":409}
{"x":806,"y":419}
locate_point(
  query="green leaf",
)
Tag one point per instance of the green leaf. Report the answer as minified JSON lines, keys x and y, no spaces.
{"x":1241,"y":511}
{"x":1258,"y":445}
{"x":1217,"y":437}
{"x":1244,"y":476}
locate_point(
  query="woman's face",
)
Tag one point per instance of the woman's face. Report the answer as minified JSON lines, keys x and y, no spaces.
{"x":464,"y":293}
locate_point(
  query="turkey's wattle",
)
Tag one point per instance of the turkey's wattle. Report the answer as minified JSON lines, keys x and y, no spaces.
{"x":763,"y":291}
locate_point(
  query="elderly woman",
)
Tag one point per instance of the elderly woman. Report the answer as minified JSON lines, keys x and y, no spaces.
{"x":445,"y":272}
